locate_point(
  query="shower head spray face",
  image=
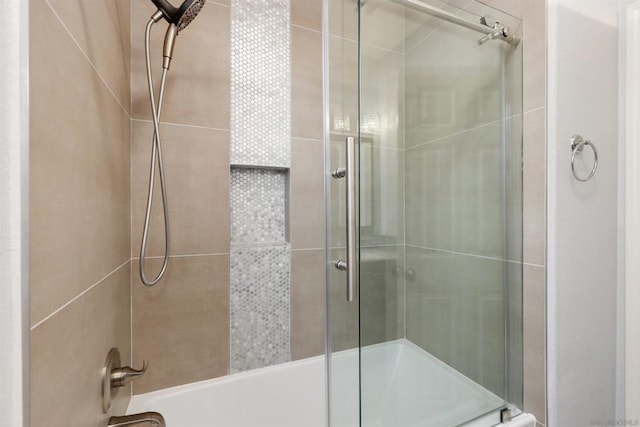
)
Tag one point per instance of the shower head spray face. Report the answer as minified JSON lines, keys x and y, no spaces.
{"x":181,"y":16}
{"x":190,"y":10}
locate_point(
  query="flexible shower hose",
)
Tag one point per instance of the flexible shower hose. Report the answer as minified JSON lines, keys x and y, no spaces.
{"x":156,"y":157}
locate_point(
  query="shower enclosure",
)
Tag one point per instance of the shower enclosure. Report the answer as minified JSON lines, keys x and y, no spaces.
{"x":423,"y":140}
{"x":403,"y":207}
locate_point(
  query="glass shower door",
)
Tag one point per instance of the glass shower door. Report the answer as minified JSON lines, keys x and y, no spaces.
{"x":341,"y":49}
{"x":433,"y":102}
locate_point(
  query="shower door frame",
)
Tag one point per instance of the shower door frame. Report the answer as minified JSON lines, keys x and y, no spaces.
{"x":630,"y":205}
{"x":14,"y":212}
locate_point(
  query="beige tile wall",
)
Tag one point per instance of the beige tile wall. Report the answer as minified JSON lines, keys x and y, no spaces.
{"x":79,"y":207}
{"x":196,"y":162}
{"x":68,"y":353}
{"x":197,"y":90}
{"x":195,"y":135}
{"x":307,"y":303}
{"x":181,"y":325}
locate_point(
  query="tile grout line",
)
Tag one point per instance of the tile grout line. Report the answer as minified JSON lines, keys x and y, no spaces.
{"x":530,"y":264}
{"x":302,"y":27}
{"x":366,"y":44}
{"x":375,"y":147}
{"x":181,"y":125}
{"x":475,"y":256}
{"x":395,"y":245}
{"x":389,"y":245}
{"x":462,"y":132}
{"x":220,"y":4}
{"x":80,"y":295}
{"x":533,"y":110}
{"x":87,"y":58}
{"x":307,"y":139}
{"x":306,"y":249}
{"x":137,"y":258}
{"x":425,"y":38}
{"x":441,"y":138}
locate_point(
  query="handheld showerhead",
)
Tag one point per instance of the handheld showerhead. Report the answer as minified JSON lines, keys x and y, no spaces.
{"x":178,"y":18}
{"x":181,"y":16}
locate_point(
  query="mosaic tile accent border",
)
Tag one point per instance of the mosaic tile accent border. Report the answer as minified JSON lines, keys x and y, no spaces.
{"x":260,"y":260}
{"x":260,"y":83}
{"x":260,"y":306}
{"x":258,"y":206}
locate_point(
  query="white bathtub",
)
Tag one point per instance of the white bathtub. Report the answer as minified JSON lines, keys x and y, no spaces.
{"x":405,"y":387}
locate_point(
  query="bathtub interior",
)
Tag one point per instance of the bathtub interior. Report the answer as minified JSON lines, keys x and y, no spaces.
{"x":291,"y":394}
{"x":419,"y":389}
{"x":413,"y":389}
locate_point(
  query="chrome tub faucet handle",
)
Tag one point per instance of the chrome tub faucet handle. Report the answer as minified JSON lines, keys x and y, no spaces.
{"x":120,"y":377}
{"x":151,"y":418}
{"x":115,"y":376}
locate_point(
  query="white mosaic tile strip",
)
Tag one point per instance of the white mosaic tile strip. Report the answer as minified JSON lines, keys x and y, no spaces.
{"x":260,"y":136}
{"x":258,"y":206}
{"x":260,"y":306}
{"x":260,"y":83}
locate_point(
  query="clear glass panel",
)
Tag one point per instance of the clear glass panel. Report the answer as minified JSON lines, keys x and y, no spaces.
{"x":341,"y":121}
{"x":435,"y":338}
{"x":440,"y":216}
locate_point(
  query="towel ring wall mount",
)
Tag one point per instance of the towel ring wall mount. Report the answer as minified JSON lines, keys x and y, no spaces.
{"x":577,"y":146}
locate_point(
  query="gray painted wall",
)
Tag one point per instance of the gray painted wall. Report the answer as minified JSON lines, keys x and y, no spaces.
{"x":582,"y":274}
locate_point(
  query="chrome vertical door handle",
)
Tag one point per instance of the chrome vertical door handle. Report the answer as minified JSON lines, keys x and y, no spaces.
{"x":351,"y":264}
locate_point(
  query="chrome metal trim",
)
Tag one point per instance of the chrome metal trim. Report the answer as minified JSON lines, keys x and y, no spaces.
{"x":114,"y":376}
{"x":506,"y":415}
{"x":156,"y":155}
{"x":352,"y":230}
{"x":326,"y":109}
{"x":169,"y":45}
{"x":351,"y":264}
{"x":448,"y":16}
{"x":122,"y":376}
{"x":150,"y":418}
{"x":339,"y":173}
{"x":577,"y":146}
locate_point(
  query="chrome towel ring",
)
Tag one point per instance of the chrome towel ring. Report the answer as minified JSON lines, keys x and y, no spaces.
{"x":577,"y":145}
